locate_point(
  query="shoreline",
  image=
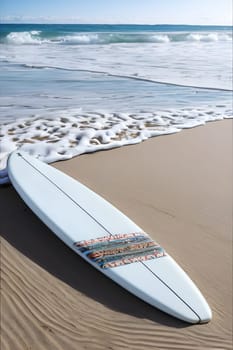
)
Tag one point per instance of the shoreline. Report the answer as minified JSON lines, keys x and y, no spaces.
{"x":178,"y":188}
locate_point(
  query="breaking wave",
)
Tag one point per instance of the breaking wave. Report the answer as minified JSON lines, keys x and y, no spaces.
{"x":39,"y":37}
{"x":24,"y":38}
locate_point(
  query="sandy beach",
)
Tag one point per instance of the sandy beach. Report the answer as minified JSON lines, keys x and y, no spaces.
{"x":178,"y":188}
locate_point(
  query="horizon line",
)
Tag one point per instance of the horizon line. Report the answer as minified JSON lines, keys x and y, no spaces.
{"x":121,"y":24}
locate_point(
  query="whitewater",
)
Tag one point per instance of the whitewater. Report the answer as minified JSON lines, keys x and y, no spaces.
{"x":74,"y":89}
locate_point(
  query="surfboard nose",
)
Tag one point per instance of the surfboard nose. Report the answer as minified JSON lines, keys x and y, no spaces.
{"x":164,"y":285}
{"x":171,"y":274}
{"x":206,"y":314}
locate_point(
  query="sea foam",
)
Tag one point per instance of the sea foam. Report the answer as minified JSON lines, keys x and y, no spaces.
{"x":72,"y":133}
{"x":25,"y":38}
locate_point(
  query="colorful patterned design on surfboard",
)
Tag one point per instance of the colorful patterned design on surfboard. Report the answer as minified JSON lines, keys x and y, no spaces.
{"x":120,"y":249}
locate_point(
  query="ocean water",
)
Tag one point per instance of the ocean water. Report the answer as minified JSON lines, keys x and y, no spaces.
{"x":73,"y":89}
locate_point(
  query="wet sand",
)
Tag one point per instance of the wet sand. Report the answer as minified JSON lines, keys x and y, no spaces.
{"x":178,"y":188}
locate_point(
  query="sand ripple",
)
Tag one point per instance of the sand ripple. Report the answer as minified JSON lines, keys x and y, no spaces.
{"x":41,"y":312}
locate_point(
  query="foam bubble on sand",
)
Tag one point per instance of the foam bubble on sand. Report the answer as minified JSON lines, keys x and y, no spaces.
{"x":72,"y":133}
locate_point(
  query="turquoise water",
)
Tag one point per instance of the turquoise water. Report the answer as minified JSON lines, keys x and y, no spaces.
{"x":55,"y":29}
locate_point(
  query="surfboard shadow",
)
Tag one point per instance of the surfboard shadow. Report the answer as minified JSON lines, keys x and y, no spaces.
{"x":23,"y":230}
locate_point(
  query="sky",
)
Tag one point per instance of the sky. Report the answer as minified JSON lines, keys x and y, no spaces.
{"x":215,"y":12}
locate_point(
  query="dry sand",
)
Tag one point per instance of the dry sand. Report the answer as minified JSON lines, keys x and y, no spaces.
{"x":178,"y":188}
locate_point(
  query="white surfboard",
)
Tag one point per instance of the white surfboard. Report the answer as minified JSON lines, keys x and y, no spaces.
{"x":106,"y":238}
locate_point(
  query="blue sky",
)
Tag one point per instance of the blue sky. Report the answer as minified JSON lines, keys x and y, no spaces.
{"x":117,"y":11}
